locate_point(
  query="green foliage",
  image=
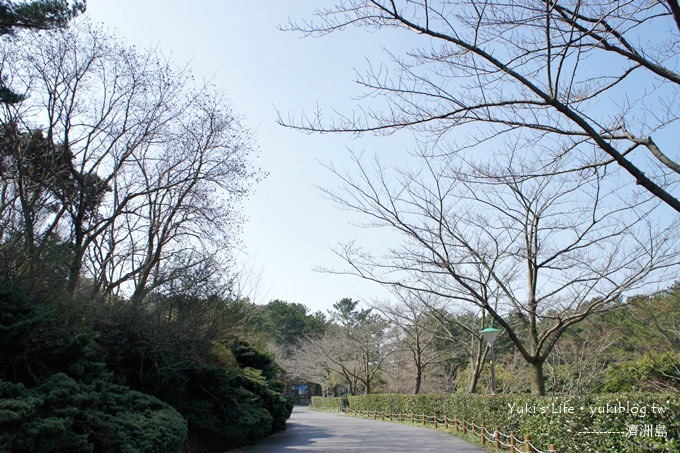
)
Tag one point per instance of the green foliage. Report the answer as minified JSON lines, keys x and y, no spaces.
{"x":654,"y":371}
{"x":132,"y":421}
{"x":345,"y":312}
{"x":57,"y":396}
{"x":337,"y":403}
{"x":287,"y":324}
{"x":227,"y":392}
{"x":221,"y":412}
{"x":227,"y":408}
{"x":37,"y":14}
{"x":63,"y":415}
{"x":631,"y":348}
{"x":645,"y":324}
{"x":262,"y":374}
{"x":565,"y":421}
{"x":42,"y":334}
{"x":249,"y":357}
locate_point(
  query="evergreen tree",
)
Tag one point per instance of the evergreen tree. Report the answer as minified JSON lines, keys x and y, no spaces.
{"x":33,"y":15}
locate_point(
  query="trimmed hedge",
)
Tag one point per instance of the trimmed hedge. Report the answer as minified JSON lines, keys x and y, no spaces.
{"x":328,"y":404}
{"x":603,"y":422}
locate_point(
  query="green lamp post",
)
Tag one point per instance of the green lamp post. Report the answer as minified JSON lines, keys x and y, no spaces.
{"x":489,"y":335}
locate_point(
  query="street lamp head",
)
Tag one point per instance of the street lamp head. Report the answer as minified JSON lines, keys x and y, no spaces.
{"x":489,"y":334}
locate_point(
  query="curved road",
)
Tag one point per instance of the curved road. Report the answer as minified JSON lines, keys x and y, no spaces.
{"x":332,"y":432}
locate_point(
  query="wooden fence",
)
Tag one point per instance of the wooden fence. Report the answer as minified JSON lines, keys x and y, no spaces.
{"x":495,"y":437}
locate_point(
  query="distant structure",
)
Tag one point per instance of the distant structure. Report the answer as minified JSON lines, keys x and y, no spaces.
{"x":301,"y":391}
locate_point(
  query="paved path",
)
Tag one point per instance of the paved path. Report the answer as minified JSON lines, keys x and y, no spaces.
{"x":314,"y":431}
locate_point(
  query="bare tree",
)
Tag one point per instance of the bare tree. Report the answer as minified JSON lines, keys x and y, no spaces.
{"x":140,"y":168}
{"x":549,"y":251}
{"x":186,"y":216}
{"x":578,"y":364}
{"x":358,"y":344}
{"x":461,"y":331}
{"x":308,"y":362}
{"x":418,"y":331}
{"x":353,"y":347}
{"x":597,"y":82}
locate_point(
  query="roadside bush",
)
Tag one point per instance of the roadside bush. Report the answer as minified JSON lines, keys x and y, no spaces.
{"x":122,"y":379}
{"x":329,"y":404}
{"x":63,"y":415}
{"x":45,"y":333}
{"x":220,"y":411}
{"x":227,"y":408}
{"x":602,"y":422}
{"x":261,"y":374}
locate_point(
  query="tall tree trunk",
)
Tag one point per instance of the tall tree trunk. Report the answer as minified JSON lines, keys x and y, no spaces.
{"x":474,"y":377}
{"x":75,"y":267}
{"x":419,"y":379}
{"x":537,"y":378}
{"x":476,"y":365}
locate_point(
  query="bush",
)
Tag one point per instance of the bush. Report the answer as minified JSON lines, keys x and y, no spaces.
{"x":118,"y":381}
{"x":41,"y":335}
{"x":570,"y":423}
{"x":652,"y":372}
{"x":329,"y":404}
{"x":55,"y":393}
{"x":227,"y":391}
{"x":261,"y":378}
{"x":63,"y":415}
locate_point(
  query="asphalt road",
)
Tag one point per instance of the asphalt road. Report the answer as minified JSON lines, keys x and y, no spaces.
{"x":309,"y":430}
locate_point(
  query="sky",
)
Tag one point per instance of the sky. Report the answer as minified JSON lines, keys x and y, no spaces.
{"x":291,"y":228}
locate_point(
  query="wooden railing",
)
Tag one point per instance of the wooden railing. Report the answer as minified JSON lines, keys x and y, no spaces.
{"x":498,"y":439}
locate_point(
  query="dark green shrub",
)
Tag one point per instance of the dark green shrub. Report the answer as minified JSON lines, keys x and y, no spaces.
{"x":63,"y":415}
{"x":225,"y":407}
{"x":262,"y":373}
{"x":42,"y":334}
{"x":249,"y":357}
{"x":130,"y":421}
{"x":220,"y":411}
{"x":60,"y":396}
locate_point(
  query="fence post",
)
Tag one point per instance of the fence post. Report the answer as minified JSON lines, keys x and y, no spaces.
{"x":446,"y":421}
{"x":464,"y":426}
{"x":553,"y":448}
{"x":497,"y":437}
{"x":412,"y":417}
{"x":527,"y":446}
{"x":382,"y":415}
{"x":512,"y":441}
{"x":399,"y":416}
{"x":375,"y":414}
{"x":424,"y":420}
{"x":456,"y":422}
{"x":483,"y":437}
{"x":435,"y":421}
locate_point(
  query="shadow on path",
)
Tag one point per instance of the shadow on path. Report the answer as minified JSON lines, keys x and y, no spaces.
{"x":331,"y":432}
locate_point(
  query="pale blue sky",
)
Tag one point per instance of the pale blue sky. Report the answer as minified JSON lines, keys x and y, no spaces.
{"x":237,"y":44}
{"x":290,"y":227}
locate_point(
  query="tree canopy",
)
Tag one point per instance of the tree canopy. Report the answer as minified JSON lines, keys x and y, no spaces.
{"x":587,"y":84}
